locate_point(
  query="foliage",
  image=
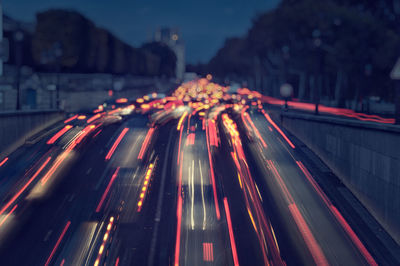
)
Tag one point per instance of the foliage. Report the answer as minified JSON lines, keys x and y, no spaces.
{"x":317,"y":38}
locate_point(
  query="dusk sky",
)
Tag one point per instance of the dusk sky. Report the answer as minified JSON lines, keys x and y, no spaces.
{"x":204,"y":25}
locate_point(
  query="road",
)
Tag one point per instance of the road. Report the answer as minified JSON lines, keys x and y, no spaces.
{"x":200,"y":177}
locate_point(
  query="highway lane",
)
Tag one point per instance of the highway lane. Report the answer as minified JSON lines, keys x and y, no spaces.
{"x":76,"y":198}
{"x":118,"y":188}
{"x":22,"y":173}
{"x":105,"y":182}
{"x":196,"y":178}
{"x":22,"y":163}
{"x":300,"y":200}
{"x":252,"y":197}
{"x":201,"y":231}
{"x":42,"y":217}
{"x":220,"y":221}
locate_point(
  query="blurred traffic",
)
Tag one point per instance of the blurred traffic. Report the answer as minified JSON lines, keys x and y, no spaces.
{"x":201,"y":176}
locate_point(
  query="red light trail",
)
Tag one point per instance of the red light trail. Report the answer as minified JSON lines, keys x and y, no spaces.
{"x":116,"y":143}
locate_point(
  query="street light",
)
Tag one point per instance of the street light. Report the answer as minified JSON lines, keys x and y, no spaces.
{"x":286,"y":91}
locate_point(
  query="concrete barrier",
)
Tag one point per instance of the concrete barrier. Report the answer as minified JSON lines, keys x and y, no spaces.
{"x":17,"y":127}
{"x":365,"y":156}
{"x":75,"y":101}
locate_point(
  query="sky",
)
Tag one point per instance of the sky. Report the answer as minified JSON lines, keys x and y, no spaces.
{"x":204,"y":24}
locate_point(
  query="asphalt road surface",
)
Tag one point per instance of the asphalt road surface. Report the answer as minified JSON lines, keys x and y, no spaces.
{"x":200,"y":177}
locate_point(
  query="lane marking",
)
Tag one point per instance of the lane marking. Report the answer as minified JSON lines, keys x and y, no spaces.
{"x":357,"y":242}
{"x":279,"y":130}
{"x":202,"y":198}
{"x":192,"y":195}
{"x":159,"y":203}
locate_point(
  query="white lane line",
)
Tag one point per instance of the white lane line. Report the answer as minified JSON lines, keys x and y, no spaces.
{"x":47,"y":235}
{"x":72,"y":139}
{"x":71,"y":198}
{"x":202,"y":198}
{"x":192,"y":196}
{"x":89,"y":170}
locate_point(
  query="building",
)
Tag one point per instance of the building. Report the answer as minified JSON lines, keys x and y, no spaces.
{"x":15,"y":57}
{"x":171,"y":37}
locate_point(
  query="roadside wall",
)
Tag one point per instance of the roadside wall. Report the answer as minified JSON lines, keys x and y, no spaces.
{"x":75,"y":101}
{"x":17,"y":127}
{"x":365,"y":156}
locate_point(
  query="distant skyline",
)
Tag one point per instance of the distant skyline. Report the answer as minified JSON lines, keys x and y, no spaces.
{"x":204,"y":25}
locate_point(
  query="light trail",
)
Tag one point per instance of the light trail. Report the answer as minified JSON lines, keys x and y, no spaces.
{"x":103,"y":197}
{"x":252,"y":200}
{"x":202,"y":198}
{"x":313,"y":247}
{"x":278,"y":129}
{"x":214,"y":186}
{"x":105,"y":238}
{"x":190,"y":139}
{"x":178,"y":230}
{"x":181,"y":120}
{"x":144,"y":190}
{"x":212,"y":131}
{"x":357,"y":242}
{"x":179,"y":145}
{"x":57,"y":243}
{"x":309,"y":239}
{"x":208,"y":253}
{"x":57,"y":163}
{"x":95,"y":117}
{"x":231,"y":236}
{"x":145,"y":143}
{"x":3,"y":161}
{"x":116,"y":143}
{"x":71,"y":119}
{"x":59,"y":134}
{"x":246,"y":115}
{"x":191,"y":184}
{"x":8,"y":214}
{"x":322,"y":108}
{"x":114,"y":111}
{"x":15,"y":197}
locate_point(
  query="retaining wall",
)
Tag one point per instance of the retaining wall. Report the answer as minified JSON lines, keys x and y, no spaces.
{"x":17,"y":127}
{"x":365,"y":156}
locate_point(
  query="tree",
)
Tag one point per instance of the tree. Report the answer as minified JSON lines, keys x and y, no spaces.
{"x":328,"y":47}
{"x":232,"y":60}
